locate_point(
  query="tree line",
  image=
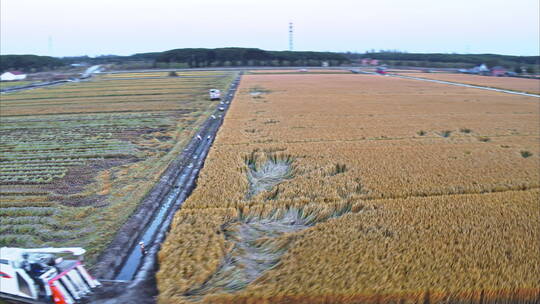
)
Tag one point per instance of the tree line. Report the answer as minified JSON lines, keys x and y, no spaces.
{"x":29,"y":63}
{"x":188,"y":57}
{"x":232,"y":56}
{"x":248,"y":57}
{"x":490,"y":60}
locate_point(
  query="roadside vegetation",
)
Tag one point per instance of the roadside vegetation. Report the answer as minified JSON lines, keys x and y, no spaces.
{"x":352,"y":195}
{"x":78,"y":158}
{"x":29,"y":63}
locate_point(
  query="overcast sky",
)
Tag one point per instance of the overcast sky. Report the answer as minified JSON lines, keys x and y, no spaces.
{"x":96,"y":27}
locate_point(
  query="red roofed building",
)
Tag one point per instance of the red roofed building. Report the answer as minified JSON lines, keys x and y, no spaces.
{"x":369,"y":61}
{"x":498,"y":71}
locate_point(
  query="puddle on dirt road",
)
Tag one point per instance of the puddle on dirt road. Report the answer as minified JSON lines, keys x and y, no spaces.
{"x":179,"y":192}
{"x":258,"y":247}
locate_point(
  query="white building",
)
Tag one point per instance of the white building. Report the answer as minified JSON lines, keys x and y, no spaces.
{"x":12,"y":75}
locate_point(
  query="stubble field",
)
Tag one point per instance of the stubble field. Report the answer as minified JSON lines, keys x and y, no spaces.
{"x":78,"y":158}
{"x":360,"y":188}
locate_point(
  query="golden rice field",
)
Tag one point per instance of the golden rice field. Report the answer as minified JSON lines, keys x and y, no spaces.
{"x":362,"y":189}
{"x":303,"y":71}
{"x":77,"y":159}
{"x":509,"y":83}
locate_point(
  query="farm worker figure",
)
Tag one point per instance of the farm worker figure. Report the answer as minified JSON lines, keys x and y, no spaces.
{"x":24,"y":263}
{"x":36,"y":269}
{"x":143,"y":250}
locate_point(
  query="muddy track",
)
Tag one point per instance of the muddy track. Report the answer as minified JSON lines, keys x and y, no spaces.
{"x":150,"y":222}
{"x":35,"y":85}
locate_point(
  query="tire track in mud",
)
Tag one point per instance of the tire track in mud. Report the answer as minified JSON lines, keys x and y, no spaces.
{"x":130,"y":274}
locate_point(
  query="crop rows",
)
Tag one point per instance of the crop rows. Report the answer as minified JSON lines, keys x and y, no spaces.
{"x":32,"y":141}
{"x":115,"y":96}
{"x":161,"y":74}
{"x":77,"y":159}
{"x":5,"y":84}
{"x":432,"y":218}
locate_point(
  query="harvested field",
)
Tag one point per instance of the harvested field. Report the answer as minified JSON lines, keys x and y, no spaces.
{"x":508,"y":83}
{"x":162,"y":74}
{"x":78,"y":158}
{"x":136,"y":95}
{"x":434,"y":196}
{"x":8,"y":84}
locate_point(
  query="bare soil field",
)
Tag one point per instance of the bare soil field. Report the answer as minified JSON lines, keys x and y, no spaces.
{"x":508,"y":83}
{"x":357,"y":188}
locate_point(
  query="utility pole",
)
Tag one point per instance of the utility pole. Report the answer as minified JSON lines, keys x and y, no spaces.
{"x":290,"y":36}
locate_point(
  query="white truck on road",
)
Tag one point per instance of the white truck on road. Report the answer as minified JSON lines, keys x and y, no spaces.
{"x":215,"y":94}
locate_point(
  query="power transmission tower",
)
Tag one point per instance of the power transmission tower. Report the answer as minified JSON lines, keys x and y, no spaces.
{"x":290,"y":36}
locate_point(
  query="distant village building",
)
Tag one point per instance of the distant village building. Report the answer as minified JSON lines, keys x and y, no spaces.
{"x":483,"y":70}
{"x":498,"y":71}
{"x":12,"y":75}
{"x":78,"y":65}
{"x":480,"y":70}
{"x":369,"y":61}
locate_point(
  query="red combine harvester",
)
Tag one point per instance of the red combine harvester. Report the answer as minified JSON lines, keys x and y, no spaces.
{"x":381,"y":70}
{"x":44,"y":275}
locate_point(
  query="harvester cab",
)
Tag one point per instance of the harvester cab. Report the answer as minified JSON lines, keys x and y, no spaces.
{"x":215,"y":94}
{"x":44,"y":275}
